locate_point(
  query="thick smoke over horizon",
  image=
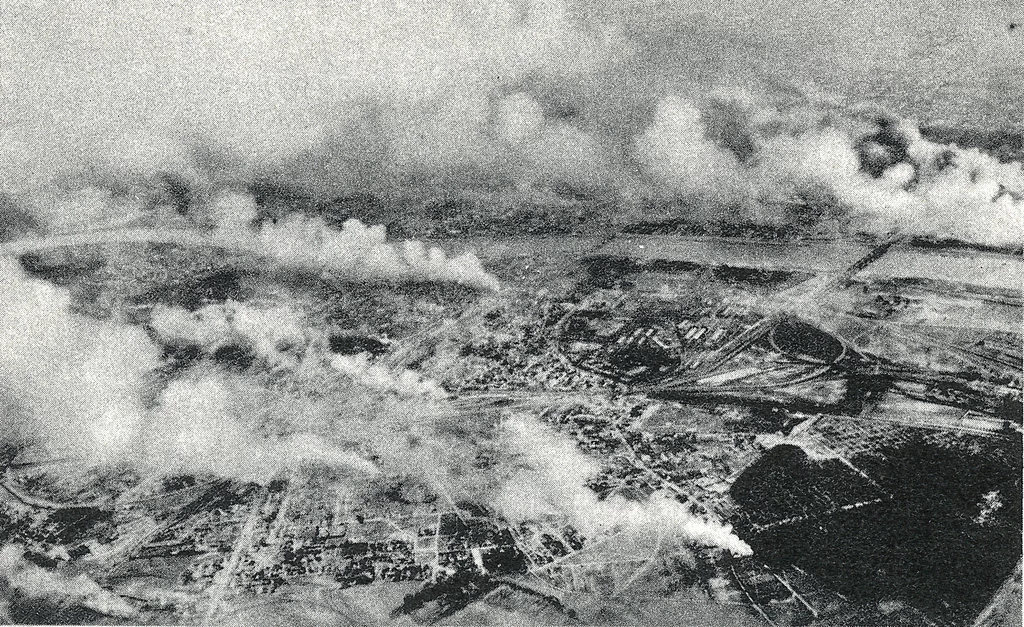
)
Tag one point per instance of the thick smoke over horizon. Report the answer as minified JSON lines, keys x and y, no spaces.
{"x":157,"y":106}
{"x":872,"y":172}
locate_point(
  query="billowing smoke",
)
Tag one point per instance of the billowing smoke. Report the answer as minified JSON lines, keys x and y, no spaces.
{"x":275,"y":335}
{"x":226,"y":425}
{"x":872,"y":172}
{"x":75,"y":382}
{"x":553,"y":476}
{"x":355,"y":252}
{"x":362,"y":252}
{"x":918,"y":187}
{"x":677,"y":152}
{"x":85,"y":389}
{"x":26,"y":581}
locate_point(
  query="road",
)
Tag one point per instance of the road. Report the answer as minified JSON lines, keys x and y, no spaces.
{"x":223,"y":579}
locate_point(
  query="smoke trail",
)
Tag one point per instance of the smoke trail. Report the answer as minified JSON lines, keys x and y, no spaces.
{"x":78,"y":386}
{"x":361,"y":252}
{"x":554,"y":480}
{"x":356,"y":251}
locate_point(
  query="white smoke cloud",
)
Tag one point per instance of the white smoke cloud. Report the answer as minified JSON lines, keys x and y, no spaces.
{"x":177,"y":78}
{"x":378,"y":377}
{"x":35,"y":582}
{"x":960,"y":193}
{"x":676,"y":151}
{"x":942,"y":191}
{"x":356,"y":251}
{"x":426,"y":95}
{"x":933,"y":190}
{"x":388,"y":91}
{"x":78,"y":386}
{"x":220,"y":424}
{"x":276,"y":335}
{"x":553,"y":480}
{"x":71,"y":380}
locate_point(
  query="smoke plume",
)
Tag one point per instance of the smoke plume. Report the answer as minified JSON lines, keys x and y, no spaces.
{"x":82,"y":388}
{"x":216,"y":423}
{"x":75,"y":382}
{"x":871,"y":171}
{"x":361,"y":252}
{"x":85,"y":388}
{"x":553,"y":478}
{"x":356,"y":251}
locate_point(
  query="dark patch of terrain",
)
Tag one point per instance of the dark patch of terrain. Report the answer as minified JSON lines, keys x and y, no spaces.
{"x":938,"y":543}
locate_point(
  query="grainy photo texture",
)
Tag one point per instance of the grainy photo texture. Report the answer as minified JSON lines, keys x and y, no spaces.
{"x":511,"y":312}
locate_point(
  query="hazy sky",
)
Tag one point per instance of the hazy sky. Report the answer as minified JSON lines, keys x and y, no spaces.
{"x":957,"y":60}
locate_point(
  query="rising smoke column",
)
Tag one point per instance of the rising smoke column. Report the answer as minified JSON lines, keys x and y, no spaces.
{"x":362,"y":252}
{"x":675,"y":151}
